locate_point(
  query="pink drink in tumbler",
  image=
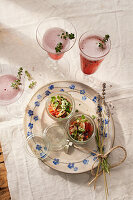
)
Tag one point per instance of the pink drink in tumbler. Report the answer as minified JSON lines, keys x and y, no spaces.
{"x":91,"y":54}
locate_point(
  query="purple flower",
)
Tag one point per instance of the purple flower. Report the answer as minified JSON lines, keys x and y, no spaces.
{"x":30,"y":125}
{"x":94,"y":158}
{"x":100,"y":108}
{"x":30,"y":112}
{"x":105,"y":135}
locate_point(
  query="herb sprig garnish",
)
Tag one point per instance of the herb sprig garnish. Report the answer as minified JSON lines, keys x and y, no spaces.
{"x":67,"y":35}
{"x":32,"y":84}
{"x":105,"y":39}
{"x":64,"y":35}
{"x":59,"y":47}
{"x":17,"y":82}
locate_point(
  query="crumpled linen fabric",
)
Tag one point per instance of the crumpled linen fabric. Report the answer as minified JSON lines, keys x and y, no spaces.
{"x":28,"y":178}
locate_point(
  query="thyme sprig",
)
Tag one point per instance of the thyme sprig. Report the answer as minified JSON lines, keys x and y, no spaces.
{"x":17,"y":82}
{"x":64,"y":35}
{"x":105,"y":39}
{"x":28,"y":75}
{"x":59,"y":47}
{"x":32,"y":84}
{"x":67,"y":35}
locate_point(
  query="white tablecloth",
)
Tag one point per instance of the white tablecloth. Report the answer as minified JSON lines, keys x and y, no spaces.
{"x":28,"y":178}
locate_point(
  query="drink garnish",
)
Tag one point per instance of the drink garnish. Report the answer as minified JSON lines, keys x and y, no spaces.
{"x":105,"y":39}
{"x":67,"y":35}
{"x":58,"y":47}
{"x":17,"y":82}
{"x":32,"y":84}
{"x":64,"y":35}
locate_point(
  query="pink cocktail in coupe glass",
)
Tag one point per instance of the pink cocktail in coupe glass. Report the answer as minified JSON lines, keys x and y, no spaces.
{"x":50,"y":37}
{"x":91,"y":53}
{"x":9,"y":95}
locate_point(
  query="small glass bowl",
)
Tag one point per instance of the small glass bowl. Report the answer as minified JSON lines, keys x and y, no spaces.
{"x":73,"y":118}
{"x":68,"y":97}
{"x":56,"y":135}
{"x":37,"y":146}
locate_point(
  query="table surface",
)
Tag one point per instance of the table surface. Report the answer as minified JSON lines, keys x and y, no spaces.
{"x":27,"y":177}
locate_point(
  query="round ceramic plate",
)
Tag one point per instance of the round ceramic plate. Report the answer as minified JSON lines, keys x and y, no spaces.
{"x":36,"y":120}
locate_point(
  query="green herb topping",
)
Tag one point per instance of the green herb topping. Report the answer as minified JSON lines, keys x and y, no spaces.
{"x":59,"y":47}
{"x":105,"y":39}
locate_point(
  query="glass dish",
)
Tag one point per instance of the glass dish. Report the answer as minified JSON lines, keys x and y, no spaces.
{"x":56,"y":135}
{"x":73,"y":118}
{"x":68,"y":97}
{"x":37,"y":146}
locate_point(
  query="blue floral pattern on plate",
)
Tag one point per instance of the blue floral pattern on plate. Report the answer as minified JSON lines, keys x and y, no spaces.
{"x":35,"y":118}
{"x":30,"y":113}
{"x":29,"y":133}
{"x":47,"y":92}
{"x":62,"y":90}
{"x":38,"y":147}
{"x":75,"y":169}
{"x":94,"y":99}
{"x":56,"y":161}
{"x":72,"y":87}
{"x":71,"y":165}
{"x":84,"y":98}
{"x":85,"y":161}
{"x":43,"y":155}
{"x":82,"y":91}
{"x":51,"y":87}
{"x":39,"y":96}
{"x":37,"y":103}
{"x":30,"y":125}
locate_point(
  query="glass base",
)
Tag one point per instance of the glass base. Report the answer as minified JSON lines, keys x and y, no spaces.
{"x":57,"y":69}
{"x":90,"y":80}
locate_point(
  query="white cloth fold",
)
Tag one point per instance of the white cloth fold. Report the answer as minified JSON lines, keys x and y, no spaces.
{"x":28,"y":178}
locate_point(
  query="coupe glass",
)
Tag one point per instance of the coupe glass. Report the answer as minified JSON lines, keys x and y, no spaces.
{"x":9,"y":97}
{"x":48,"y":36}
